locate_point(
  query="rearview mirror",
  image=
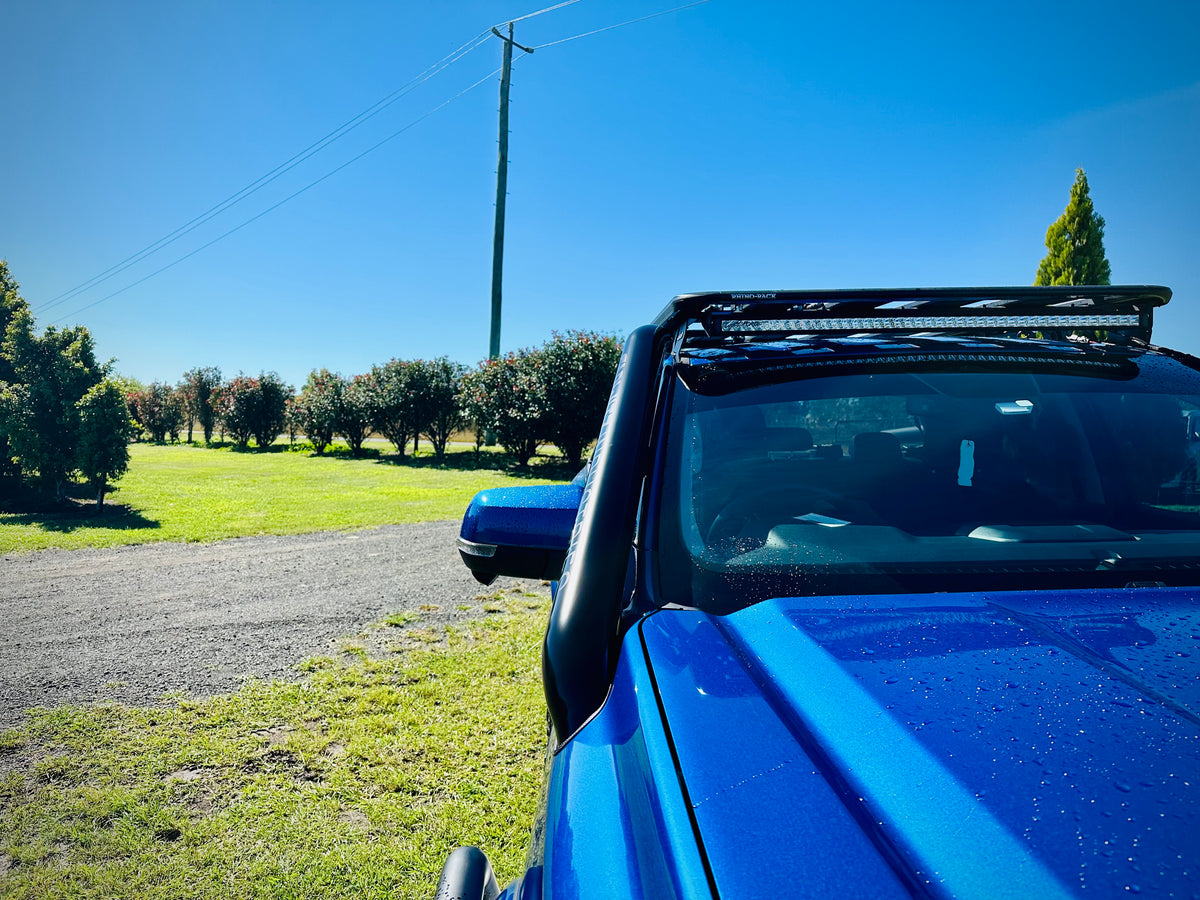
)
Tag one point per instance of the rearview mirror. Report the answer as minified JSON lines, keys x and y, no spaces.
{"x":523,"y":532}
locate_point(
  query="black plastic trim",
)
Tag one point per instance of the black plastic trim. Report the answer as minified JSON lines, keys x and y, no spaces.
{"x":577,"y":654}
{"x":467,"y":875}
{"x":544,"y":564}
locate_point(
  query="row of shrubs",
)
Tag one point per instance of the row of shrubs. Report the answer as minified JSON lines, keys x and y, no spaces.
{"x":64,"y":415}
{"x":553,"y":394}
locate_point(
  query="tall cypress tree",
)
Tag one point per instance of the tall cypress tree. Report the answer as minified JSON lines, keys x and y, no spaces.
{"x":1075,"y":242}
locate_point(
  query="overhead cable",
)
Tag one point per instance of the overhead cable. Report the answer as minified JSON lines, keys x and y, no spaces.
{"x":538,"y":13}
{"x":621,"y":24}
{"x":263,"y":180}
{"x":291,"y":196}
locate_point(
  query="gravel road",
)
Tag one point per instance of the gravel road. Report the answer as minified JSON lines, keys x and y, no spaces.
{"x":133,"y":623}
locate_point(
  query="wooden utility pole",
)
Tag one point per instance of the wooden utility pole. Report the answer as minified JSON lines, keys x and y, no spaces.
{"x":501,"y":190}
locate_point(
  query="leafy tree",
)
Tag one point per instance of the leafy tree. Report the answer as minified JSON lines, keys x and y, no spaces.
{"x":235,"y":404}
{"x":159,"y":410}
{"x":319,"y":408}
{"x":187,"y":411}
{"x":105,"y":431}
{"x":271,"y":422}
{"x":475,"y":403}
{"x":38,"y":406}
{"x":418,"y":376}
{"x":254,"y":408}
{"x":129,"y":388}
{"x":508,"y":396}
{"x":577,"y":369}
{"x":198,"y":388}
{"x":439,"y":410}
{"x":11,"y":303}
{"x":291,"y":417}
{"x":1075,"y":242}
{"x":394,"y":403}
{"x":358,"y":412}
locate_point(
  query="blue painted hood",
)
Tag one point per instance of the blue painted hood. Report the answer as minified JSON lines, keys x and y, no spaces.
{"x":992,"y":745}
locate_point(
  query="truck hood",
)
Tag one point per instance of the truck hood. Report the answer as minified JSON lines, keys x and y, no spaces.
{"x":1041,"y":744}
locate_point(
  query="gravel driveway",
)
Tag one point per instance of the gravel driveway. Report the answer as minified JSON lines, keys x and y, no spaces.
{"x":133,"y":623}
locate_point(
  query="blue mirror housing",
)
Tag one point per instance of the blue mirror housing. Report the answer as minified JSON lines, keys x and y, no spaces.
{"x":523,"y":532}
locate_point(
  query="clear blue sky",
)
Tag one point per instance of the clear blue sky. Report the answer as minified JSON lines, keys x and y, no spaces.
{"x":740,"y":144}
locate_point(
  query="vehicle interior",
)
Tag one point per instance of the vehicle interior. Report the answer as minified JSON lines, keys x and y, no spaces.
{"x":900,"y":480}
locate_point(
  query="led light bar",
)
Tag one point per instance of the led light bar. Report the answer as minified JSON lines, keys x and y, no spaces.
{"x":927,"y":323}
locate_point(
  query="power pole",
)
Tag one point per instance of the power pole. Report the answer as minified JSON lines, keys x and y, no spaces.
{"x":501,"y":190}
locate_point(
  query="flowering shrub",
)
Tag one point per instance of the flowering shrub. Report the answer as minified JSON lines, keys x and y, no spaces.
{"x":319,"y":408}
{"x":438,"y":414}
{"x":197,"y":391}
{"x":577,"y":369}
{"x":475,"y":402}
{"x":554,"y":394}
{"x":358,"y":406}
{"x":158,"y":409}
{"x":291,"y":419}
{"x":508,"y":396}
{"x":254,"y":408}
{"x":393,"y":402}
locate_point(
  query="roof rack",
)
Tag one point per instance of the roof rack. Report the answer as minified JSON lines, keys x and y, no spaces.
{"x":1114,"y":313}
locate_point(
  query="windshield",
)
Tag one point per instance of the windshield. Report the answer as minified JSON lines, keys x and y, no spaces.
{"x":932,"y":481}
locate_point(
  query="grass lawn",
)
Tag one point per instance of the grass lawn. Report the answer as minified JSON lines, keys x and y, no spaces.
{"x":354,"y":782}
{"x":192,"y":493}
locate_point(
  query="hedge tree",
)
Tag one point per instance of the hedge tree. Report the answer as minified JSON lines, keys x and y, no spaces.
{"x":508,"y":397}
{"x":199,"y":388}
{"x":105,"y":430}
{"x":158,"y":409}
{"x":11,"y":303}
{"x":358,"y":408}
{"x":438,"y":412}
{"x":50,"y":375}
{"x":318,"y":408}
{"x":1075,"y":242}
{"x":578,"y":369}
{"x":394,"y":403}
{"x":254,"y":408}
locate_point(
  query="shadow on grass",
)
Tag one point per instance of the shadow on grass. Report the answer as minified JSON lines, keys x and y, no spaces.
{"x":75,"y":512}
{"x":553,"y":468}
{"x":544,"y":466}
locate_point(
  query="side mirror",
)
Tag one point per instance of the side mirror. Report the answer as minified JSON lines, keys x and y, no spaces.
{"x":523,"y":532}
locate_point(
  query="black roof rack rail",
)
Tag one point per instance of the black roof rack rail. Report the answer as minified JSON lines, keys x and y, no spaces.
{"x":1116,"y":313}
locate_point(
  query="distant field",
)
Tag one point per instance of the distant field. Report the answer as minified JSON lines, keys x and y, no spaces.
{"x":189,"y":493}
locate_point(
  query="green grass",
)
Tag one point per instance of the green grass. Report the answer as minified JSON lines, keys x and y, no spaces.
{"x":354,"y":782}
{"x":191,"y":493}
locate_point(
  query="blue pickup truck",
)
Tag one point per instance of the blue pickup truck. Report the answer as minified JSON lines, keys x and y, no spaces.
{"x":877,"y":593}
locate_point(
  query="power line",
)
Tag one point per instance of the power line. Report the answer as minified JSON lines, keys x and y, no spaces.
{"x":538,"y":13}
{"x":263,"y":180}
{"x":284,"y":167}
{"x":621,"y":24}
{"x":291,"y":196}
{"x":315,"y":148}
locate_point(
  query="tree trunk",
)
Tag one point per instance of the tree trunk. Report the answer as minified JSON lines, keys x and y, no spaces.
{"x":100,"y":496}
